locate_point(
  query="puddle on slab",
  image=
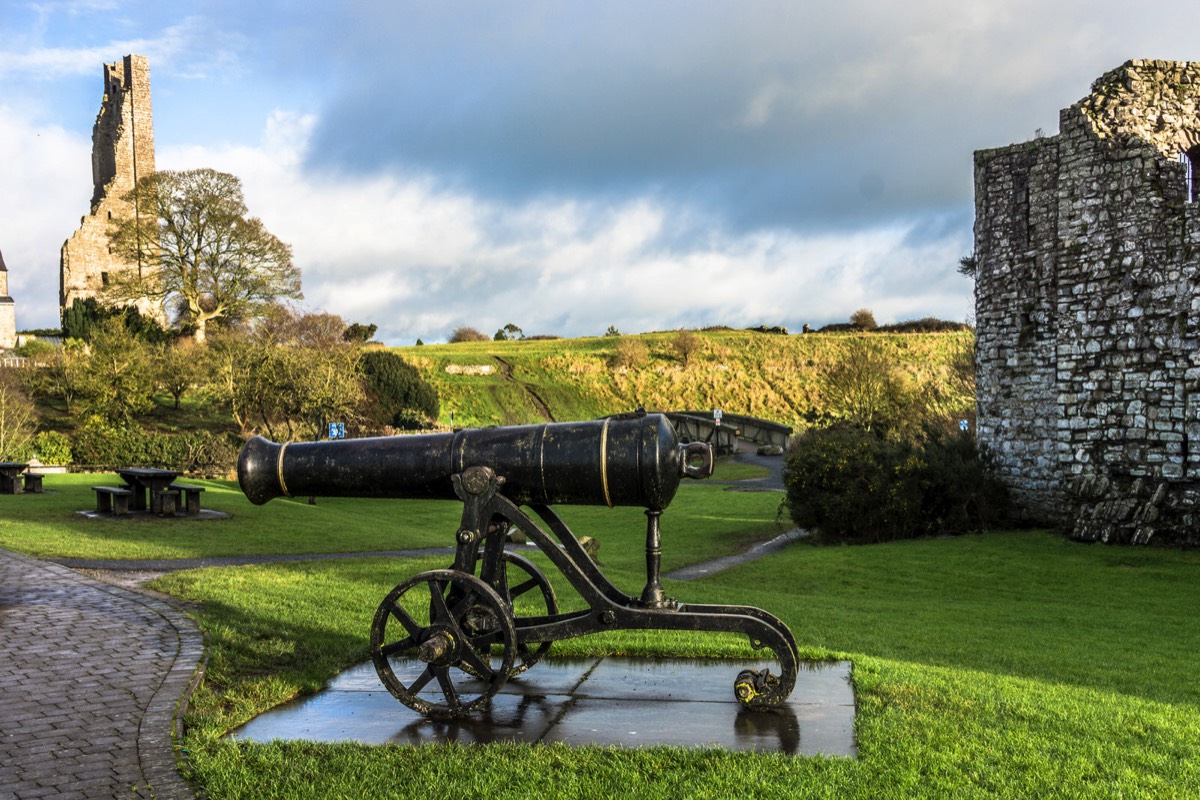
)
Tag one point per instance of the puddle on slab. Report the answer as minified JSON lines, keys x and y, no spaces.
{"x":619,"y":702}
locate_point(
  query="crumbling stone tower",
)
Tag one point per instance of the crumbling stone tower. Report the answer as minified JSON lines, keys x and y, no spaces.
{"x":1087,"y":296}
{"x":122,"y":152}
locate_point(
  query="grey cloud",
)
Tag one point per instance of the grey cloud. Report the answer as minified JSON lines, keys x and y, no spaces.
{"x":770,"y":114}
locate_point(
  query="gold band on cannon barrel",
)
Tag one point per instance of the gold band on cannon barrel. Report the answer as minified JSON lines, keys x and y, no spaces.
{"x":279,"y":470}
{"x":604,"y":463}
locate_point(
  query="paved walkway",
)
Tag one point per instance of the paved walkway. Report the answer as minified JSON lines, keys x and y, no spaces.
{"x":91,"y":677}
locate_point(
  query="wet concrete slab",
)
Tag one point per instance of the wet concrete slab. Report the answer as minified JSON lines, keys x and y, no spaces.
{"x":619,"y":702}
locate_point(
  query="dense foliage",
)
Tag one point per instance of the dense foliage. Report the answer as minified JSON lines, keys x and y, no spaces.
{"x":467,"y":334}
{"x":854,"y":485}
{"x":102,"y":446}
{"x":397,"y":395}
{"x":85,"y":316}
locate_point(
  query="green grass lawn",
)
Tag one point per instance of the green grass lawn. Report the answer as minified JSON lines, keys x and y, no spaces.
{"x":990,"y":665}
{"x":48,"y":524}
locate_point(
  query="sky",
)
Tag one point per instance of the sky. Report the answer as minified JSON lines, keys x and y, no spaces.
{"x":569,"y":166}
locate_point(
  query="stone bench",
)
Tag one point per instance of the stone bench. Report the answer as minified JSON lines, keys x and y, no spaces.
{"x":192,"y":493}
{"x":111,"y":499}
{"x":33,"y":483}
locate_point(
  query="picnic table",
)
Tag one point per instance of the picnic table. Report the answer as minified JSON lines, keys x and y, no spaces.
{"x":10,"y":477}
{"x":148,"y":486}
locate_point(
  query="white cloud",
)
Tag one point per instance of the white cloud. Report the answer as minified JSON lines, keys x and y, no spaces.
{"x":419,"y":261}
{"x":47,"y":188}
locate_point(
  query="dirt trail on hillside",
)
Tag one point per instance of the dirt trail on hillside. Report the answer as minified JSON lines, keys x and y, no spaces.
{"x":506,"y":373}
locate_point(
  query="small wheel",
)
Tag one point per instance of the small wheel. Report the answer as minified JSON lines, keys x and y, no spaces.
{"x":517,"y":590}
{"x":443,"y":643}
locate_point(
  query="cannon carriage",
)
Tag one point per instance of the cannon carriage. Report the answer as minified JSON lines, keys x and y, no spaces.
{"x":445,"y":641}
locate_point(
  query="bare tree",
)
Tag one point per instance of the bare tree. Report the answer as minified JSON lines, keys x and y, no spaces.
{"x":686,"y":344}
{"x":18,"y":418}
{"x":863,"y":387}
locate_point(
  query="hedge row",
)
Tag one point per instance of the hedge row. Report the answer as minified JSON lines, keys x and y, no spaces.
{"x":193,"y":452}
{"x":850,"y":485}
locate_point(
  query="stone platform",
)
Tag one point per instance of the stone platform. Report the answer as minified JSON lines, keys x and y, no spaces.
{"x":620,"y":702}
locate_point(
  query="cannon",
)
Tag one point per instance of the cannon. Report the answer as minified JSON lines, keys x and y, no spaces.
{"x":445,"y":641}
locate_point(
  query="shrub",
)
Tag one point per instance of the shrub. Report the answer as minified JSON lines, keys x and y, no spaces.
{"x":33,"y":348}
{"x":686,"y":344}
{"x":851,"y":485}
{"x":466,"y":334}
{"x":86,"y":315}
{"x":863,"y":320}
{"x":923,"y":325}
{"x":630,"y":353}
{"x":358,"y":332}
{"x":99,"y":445}
{"x":396,"y":392}
{"x":52,"y":447}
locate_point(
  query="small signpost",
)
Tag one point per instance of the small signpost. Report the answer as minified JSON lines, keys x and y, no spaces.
{"x":717,"y":414}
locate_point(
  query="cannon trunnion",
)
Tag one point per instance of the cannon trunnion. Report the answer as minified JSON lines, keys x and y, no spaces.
{"x":445,"y":641}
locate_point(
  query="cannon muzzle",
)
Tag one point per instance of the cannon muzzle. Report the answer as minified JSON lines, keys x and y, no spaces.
{"x":629,"y":460}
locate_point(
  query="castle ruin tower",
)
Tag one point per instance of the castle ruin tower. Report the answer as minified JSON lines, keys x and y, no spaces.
{"x":1087,"y":309}
{"x":8,"y":312}
{"x":122,"y":152}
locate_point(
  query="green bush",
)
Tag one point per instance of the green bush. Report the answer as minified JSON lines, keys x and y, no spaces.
{"x":99,"y":445}
{"x":86,"y":315}
{"x":34,"y":348}
{"x":52,"y":447}
{"x":396,"y":392}
{"x":850,"y":485}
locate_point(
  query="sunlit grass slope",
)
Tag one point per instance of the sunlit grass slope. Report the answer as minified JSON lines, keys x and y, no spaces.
{"x":995,"y":665}
{"x":765,"y":375}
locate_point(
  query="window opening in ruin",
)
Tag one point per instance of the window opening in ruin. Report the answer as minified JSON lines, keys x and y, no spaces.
{"x":1191,"y":158}
{"x":104,"y":279}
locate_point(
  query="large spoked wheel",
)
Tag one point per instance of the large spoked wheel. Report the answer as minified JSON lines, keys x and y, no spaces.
{"x":521,"y":579}
{"x":443,"y":643}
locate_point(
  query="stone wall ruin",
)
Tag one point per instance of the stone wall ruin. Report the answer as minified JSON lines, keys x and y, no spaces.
{"x":122,"y":152}
{"x":1087,"y":294}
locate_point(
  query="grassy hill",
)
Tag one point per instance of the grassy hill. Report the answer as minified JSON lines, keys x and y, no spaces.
{"x":764,"y":375}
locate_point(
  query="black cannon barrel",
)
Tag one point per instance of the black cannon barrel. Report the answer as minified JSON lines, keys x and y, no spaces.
{"x":630,"y":460}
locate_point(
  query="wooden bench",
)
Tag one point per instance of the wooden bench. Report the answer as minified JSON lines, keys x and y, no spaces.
{"x":111,"y":499}
{"x":192,"y":494}
{"x":33,"y":483}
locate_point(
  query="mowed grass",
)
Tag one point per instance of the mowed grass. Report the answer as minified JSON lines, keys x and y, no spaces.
{"x":991,"y":665}
{"x":721,"y":522}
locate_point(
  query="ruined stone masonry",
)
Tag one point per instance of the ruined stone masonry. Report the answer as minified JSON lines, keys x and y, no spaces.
{"x":122,"y":152}
{"x":1087,"y":296}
